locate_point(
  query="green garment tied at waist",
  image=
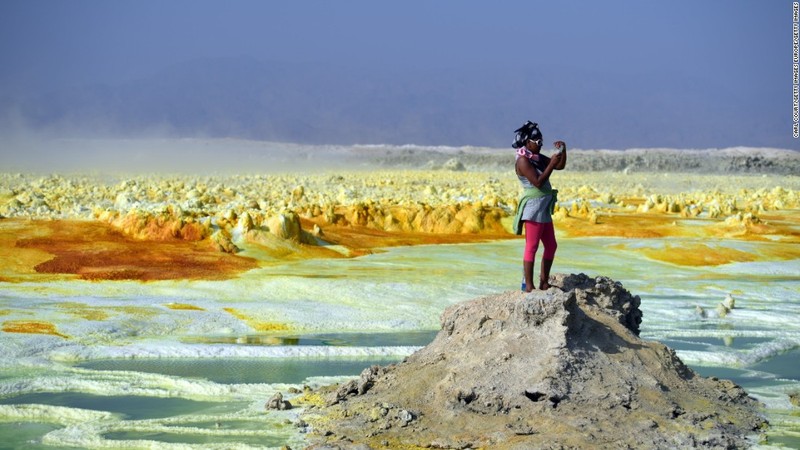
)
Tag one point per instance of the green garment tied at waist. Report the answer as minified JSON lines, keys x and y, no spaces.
{"x":531,"y":193}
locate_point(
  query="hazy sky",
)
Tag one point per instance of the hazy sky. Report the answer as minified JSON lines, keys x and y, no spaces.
{"x":736,"y":46}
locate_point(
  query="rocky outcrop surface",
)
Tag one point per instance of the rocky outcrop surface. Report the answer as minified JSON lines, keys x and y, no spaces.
{"x":557,"y":369}
{"x":707,"y":161}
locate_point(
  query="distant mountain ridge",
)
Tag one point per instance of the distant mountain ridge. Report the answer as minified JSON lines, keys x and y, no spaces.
{"x":324,"y":104}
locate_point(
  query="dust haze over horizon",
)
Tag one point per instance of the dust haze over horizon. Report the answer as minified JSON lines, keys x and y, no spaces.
{"x":616,"y":75}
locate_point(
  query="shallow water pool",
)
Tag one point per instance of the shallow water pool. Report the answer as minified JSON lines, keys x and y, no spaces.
{"x":145,"y":373}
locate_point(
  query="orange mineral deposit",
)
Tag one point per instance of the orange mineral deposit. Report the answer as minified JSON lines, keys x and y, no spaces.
{"x":31,"y":327}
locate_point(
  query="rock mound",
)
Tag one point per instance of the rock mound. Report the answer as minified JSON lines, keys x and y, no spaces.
{"x":557,"y":369}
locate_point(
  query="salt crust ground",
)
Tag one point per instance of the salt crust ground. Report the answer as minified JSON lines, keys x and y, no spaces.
{"x":468,"y":196}
{"x":552,"y":370}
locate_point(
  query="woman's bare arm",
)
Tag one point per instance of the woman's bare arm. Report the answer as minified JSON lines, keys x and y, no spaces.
{"x":526,"y":169}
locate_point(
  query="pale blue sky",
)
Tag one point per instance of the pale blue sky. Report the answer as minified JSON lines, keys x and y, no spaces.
{"x":735,"y":50}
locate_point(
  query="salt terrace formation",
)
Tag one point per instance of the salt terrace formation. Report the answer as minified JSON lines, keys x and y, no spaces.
{"x":557,"y":369}
{"x":301,"y":215}
{"x":193,"y":208}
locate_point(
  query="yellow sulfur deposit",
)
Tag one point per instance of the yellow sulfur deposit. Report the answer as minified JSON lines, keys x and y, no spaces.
{"x":151,"y":227}
{"x":257,"y":325}
{"x":183,"y":307}
{"x":84,"y":311}
{"x":695,"y":255}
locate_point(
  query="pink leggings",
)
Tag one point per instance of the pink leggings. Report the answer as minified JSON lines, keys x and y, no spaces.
{"x":535,"y":232}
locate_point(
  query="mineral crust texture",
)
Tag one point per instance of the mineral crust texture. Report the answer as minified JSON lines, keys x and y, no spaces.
{"x":556,"y":369}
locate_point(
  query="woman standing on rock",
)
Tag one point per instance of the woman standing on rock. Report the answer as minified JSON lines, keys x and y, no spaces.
{"x":535,"y":208}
